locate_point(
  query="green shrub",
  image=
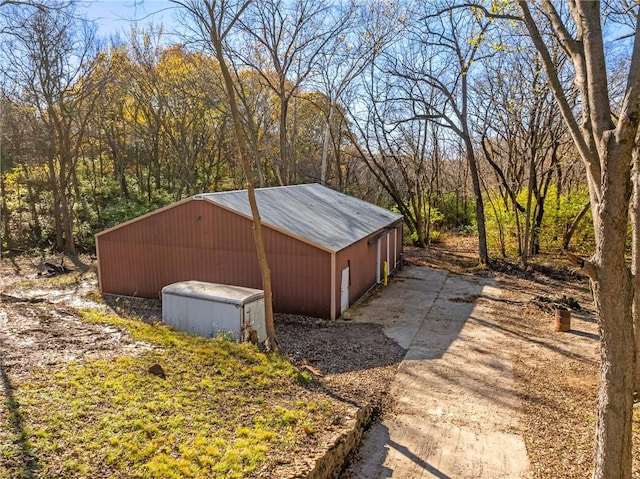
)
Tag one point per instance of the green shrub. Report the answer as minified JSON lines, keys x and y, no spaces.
{"x":557,"y":218}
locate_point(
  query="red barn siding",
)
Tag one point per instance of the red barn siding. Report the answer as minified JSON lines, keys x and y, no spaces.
{"x":198,"y":240}
{"x":361,"y":257}
{"x":301,"y":275}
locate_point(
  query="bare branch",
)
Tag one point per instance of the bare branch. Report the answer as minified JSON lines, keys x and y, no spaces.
{"x":587,"y":267}
{"x":479,"y":6}
{"x":586,"y":152}
{"x":628,"y":122}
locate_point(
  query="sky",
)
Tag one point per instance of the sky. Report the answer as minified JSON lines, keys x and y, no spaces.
{"x":113,"y":16}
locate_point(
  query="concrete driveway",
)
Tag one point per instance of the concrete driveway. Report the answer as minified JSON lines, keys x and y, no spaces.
{"x":456,"y":407}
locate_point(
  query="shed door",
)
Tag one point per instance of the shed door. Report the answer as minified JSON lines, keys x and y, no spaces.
{"x":344,"y":290}
{"x":395,"y":248}
{"x":381,"y":256}
{"x":378,"y":265}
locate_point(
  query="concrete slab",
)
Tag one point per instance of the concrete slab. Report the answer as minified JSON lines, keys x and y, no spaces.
{"x":439,"y":451}
{"x":456,"y":405}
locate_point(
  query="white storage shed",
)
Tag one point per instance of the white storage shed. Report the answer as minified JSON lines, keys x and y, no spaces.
{"x":209,"y":309}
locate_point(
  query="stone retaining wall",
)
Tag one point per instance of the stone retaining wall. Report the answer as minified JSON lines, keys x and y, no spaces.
{"x":331,"y":464}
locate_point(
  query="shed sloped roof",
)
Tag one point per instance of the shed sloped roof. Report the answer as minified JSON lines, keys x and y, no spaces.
{"x":312,"y":212}
{"x":220,"y":293}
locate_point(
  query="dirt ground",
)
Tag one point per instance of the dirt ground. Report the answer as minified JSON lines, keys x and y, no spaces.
{"x":40,"y":325}
{"x":556,"y":372}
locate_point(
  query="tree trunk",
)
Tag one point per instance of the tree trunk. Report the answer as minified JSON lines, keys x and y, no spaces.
{"x":325,"y":146}
{"x":483,"y":253}
{"x":612,"y":287}
{"x":518,"y":219}
{"x":538,"y":217}
{"x":571,"y":229}
{"x":541,"y":195}
{"x":525,"y":250}
{"x":265,"y":273}
{"x":635,"y":262}
{"x":501,"y":239}
{"x":292,"y":154}
{"x":558,"y":170}
{"x":257,"y":162}
{"x":32,"y":200}
{"x":419,"y":222}
{"x":284,"y":157}
{"x":606,"y":144}
{"x":615,"y":393}
{"x":67,"y":218}
{"x":4,"y":215}
{"x":57,"y":211}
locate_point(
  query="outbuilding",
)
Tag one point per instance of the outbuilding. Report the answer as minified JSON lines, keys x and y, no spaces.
{"x":325,"y":249}
{"x":209,"y":309}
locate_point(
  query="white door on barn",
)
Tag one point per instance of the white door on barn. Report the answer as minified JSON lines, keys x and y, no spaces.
{"x":344,"y":290}
{"x":378,"y":265}
{"x":382,"y":256}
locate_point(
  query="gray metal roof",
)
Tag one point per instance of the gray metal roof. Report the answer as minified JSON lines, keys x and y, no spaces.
{"x":312,"y":212}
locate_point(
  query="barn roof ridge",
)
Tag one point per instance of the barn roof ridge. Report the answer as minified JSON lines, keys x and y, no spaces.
{"x":263,"y":188}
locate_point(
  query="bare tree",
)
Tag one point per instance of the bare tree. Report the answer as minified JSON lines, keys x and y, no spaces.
{"x":345,"y":58}
{"x":258,"y":114}
{"x":53,"y":54}
{"x":8,"y":8}
{"x":524,"y":139}
{"x":397,"y":150}
{"x":443,"y":45}
{"x":635,"y":261}
{"x":24,"y":3}
{"x":283,"y":41}
{"x":606,"y":141}
{"x":213,"y":21}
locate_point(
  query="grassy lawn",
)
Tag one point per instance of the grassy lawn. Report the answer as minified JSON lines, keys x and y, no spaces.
{"x":224,"y":410}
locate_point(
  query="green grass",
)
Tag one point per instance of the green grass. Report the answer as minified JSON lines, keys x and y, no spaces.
{"x":222,"y":410}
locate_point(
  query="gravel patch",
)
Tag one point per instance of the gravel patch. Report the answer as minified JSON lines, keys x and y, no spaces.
{"x":357,"y":361}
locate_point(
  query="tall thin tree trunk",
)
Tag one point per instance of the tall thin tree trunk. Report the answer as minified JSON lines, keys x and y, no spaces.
{"x":265,"y":273}
{"x":325,"y":146}
{"x":635,"y":262}
{"x":483,"y":252}
{"x":258,"y":163}
{"x":524,"y":255}
{"x":32,"y":201}
{"x":503,"y":247}
{"x":571,"y":229}
{"x":538,"y":217}
{"x":4,"y":215}
{"x":606,"y":146}
{"x":518,"y":230}
{"x":67,"y":217}
{"x":283,"y":169}
{"x":57,"y":210}
{"x":292,"y":153}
